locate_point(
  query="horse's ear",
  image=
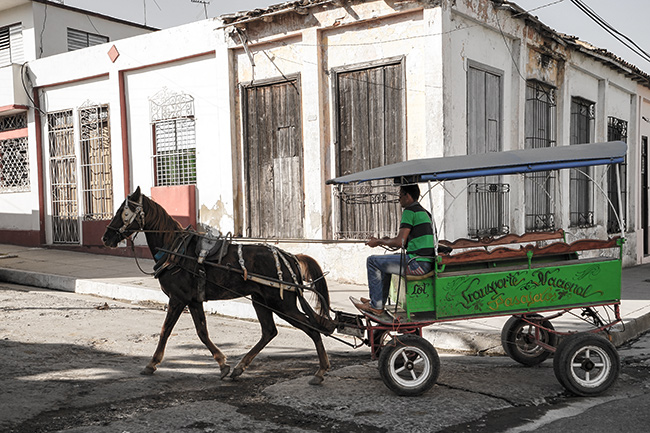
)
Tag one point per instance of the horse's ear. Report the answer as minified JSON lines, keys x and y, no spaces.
{"x":136,"y":194}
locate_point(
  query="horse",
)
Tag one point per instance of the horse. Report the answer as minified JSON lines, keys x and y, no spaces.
{"x":229,"y":280}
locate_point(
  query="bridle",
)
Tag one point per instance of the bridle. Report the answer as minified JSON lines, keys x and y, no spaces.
{"x":128,"y":216}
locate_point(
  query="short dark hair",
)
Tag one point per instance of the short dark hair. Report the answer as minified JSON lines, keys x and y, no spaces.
{"x":412,"y":190}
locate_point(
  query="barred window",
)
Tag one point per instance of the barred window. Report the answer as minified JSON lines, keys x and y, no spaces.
{"x":175,"y":157}
{"x":616,"y":130}
{"x":78,"y":39}
{"x":96,"y":171}
{"x":14,"y":165}
{"x":13,"y":122}
{"x":172,"y":115}
{"x":581,"y":207}
{"x":540,"y":129}
{"x":487,"y":198}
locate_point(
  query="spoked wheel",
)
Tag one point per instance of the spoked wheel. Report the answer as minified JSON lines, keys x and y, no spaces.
{"x":520,"y":339}
{"x":409,"y":365}
{"x":586,"y":364}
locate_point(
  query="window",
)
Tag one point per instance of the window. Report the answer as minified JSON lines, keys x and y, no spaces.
{"x":273,"y":159}
{"x":78,"y":39}
{"x":540,"y":121}
{"x":96,"y":173}
{"x":487,"y":197}
{"x":11,"y":44}
{"x":370,"y":119}
{"x":581,"y":209}
{"x":616,"y":130}
{"x":14,"y":158}
{"x":172,"y":116}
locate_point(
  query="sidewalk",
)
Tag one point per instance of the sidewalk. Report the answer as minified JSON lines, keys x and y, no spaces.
{"x":120,"y":278}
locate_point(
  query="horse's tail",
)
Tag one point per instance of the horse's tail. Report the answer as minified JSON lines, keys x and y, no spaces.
{"x":311,"y":271}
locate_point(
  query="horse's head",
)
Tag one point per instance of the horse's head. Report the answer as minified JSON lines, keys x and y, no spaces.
{"x":128,"y":219}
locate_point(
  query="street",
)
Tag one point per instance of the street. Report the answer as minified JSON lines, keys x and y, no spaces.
{"x":71,"y":363}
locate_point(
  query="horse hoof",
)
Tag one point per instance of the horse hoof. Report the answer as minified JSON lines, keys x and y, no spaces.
{"x":224,"y":371}
{"x":316,"y":380}
{"x":237,"y":372}
{"x":148,"y":371}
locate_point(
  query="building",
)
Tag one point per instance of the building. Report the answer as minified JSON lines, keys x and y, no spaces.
{"x":30,"y":30}
{"x":235,"y":124}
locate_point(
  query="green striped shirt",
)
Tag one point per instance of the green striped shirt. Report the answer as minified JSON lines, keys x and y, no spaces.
{"x":420,"y":239}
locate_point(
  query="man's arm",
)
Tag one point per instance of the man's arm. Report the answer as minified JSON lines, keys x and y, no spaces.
{"x":396,"y":242}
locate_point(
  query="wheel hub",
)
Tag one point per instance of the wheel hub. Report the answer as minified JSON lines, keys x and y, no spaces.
{"x":588,"y":365}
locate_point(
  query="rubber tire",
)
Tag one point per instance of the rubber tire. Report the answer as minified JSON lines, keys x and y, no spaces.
{"x":521,"y":351}
{"x":575,"y":376}
{"x":418,"y":353}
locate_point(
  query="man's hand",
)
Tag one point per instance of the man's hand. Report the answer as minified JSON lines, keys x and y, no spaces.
{"x":373,"y":242}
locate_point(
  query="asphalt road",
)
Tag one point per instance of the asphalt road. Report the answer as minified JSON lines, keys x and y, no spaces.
{"x":71,"y":363}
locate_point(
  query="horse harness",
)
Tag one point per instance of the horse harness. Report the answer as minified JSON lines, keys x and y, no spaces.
{"x":214,"y":249}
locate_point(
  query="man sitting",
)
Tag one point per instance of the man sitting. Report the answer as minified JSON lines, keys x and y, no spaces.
{"x":416,"y":235}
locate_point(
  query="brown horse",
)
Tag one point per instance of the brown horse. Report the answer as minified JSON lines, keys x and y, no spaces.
{"x":181,"y":283}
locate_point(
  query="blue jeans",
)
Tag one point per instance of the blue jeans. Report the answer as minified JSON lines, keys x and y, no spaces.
{"x":380,"y":269}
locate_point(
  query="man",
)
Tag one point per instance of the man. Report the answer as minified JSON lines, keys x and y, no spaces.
{"x":416,"y":235}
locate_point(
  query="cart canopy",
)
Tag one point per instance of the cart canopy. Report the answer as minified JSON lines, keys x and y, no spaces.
{"x":493,"y":163}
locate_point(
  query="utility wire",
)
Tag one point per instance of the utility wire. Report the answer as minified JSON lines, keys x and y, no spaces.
{"x":622,"y":38}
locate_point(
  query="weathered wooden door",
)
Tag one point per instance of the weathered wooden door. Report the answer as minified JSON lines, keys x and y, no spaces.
{"x":63,"y":178}
{"x":273,"y":160}
{"x":370,"y":120}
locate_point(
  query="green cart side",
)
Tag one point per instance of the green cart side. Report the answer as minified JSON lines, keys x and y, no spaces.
{"x":525,"y":285}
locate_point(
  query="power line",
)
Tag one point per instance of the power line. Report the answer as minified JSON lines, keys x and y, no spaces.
{"x":625,"y":40}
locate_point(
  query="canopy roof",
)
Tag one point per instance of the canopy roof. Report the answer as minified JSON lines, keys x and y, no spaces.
{"x":493,"y":163}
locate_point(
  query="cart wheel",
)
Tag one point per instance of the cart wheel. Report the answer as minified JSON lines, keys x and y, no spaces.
{"x":586,"y":364}
{"x":409,"y":365}
{"x":518,"y":339}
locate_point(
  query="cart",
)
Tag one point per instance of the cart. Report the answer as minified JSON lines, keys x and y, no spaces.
{"x":534,"y":278}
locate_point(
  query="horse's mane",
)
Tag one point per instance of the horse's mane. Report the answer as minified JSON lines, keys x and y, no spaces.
{"x":161,"y":220}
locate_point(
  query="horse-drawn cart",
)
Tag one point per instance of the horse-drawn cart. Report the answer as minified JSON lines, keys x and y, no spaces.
{"x":534,"y":278}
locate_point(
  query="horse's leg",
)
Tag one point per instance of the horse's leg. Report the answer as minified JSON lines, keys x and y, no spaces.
{"x":198,"y":315}
{"x":174,"y":310}
{"x":297,"y":319}
{"x":269,"y":331}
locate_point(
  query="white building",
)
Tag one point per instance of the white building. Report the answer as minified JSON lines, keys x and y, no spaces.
{"x":30,"y":30}
{"x":236,"y":123}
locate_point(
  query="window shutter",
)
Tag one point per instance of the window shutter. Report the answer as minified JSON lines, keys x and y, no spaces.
{"x":76,"y":40}
{"x":16,"y":43}
{"x":5,"y":47}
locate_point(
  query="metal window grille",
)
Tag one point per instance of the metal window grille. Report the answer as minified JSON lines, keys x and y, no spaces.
{"x":373,"y":208}
{"x":581,"y":211}
{"x":78,"y":39}
{"x":616,"y":130}
{"x":63,"y":178}
{"x":14,"y":165}
{"x":96,"y":172}
{"x":492,"y":196}
{"x":13,"y":122}
{"x":540,"y":130}
{"x":175,"y":158}
{"x":172,"y":115}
